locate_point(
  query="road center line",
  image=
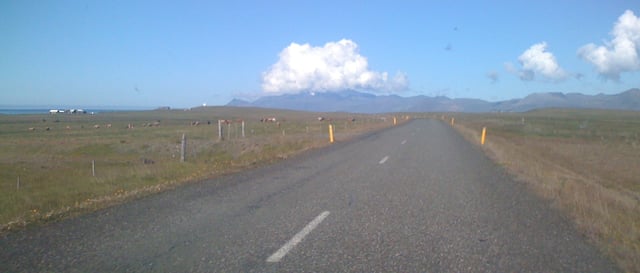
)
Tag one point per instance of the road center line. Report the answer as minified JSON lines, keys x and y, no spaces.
{"x":403,"y":142}
{"x":383,"y":160}
{"x":278,"y":255}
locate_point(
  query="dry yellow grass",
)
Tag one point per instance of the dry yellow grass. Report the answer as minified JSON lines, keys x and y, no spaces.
{"x":595,"y":180}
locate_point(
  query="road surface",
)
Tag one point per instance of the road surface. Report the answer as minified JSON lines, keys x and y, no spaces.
{"x":415,"y":198}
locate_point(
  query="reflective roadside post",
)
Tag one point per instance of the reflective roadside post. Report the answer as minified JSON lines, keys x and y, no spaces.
{"x":330,"y":133}
{"x":484,"y":134}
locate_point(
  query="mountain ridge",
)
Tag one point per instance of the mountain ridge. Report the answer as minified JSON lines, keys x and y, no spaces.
{"x":359,"y":102}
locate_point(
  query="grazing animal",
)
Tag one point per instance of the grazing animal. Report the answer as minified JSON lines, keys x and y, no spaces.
{"x":147,"y":161}
{"x":32,"y":128}
{"x":96,"y":126}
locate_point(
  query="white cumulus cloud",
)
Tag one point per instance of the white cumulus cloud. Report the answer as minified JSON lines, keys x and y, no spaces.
{"x":537,"y":61}
{"x":332,"y":67}
{"x":620,"y":54}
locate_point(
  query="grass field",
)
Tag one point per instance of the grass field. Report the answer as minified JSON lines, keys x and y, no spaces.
{"x":47,"y":161}
{"x":587,"y":162}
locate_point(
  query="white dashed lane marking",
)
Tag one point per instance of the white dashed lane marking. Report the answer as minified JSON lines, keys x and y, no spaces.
{"x":278,"y":255}
{"x":383,"y":160}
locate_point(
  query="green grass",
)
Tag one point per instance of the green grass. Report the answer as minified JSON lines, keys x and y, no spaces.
{"x":54,"y":165}
{"x":585,"y":124}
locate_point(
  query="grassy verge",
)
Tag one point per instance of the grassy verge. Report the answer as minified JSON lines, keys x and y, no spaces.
{"x":47,"y":162}
{"x":586,"y":162}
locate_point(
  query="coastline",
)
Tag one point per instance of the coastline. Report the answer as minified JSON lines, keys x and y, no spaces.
{"x":45,"y":111}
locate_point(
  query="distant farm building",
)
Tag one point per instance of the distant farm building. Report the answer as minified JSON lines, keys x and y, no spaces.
{"x":70,"y":111}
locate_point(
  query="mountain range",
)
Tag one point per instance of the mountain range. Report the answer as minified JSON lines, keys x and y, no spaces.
{"x":358,"y":102}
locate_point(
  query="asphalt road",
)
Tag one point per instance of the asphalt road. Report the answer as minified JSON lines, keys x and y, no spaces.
{"x":415,"y":198}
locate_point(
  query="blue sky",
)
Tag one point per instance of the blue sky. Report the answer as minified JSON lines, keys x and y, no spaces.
{"x":185,"y":53}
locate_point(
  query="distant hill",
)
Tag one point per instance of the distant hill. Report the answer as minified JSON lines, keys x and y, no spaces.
{"x":358,"y":102}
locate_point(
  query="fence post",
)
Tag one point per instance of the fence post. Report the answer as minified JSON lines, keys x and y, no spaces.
{"x":219,"y":130}
{"x":243,"y":129}
{"x":183,"y":147}
{"x":18,"y":184}
{"x":93,"y":168}
{"x":484,"y":134}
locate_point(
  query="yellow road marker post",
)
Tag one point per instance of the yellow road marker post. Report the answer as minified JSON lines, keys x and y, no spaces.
{"x":484,"y":134}
{"x":330,"y":133}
